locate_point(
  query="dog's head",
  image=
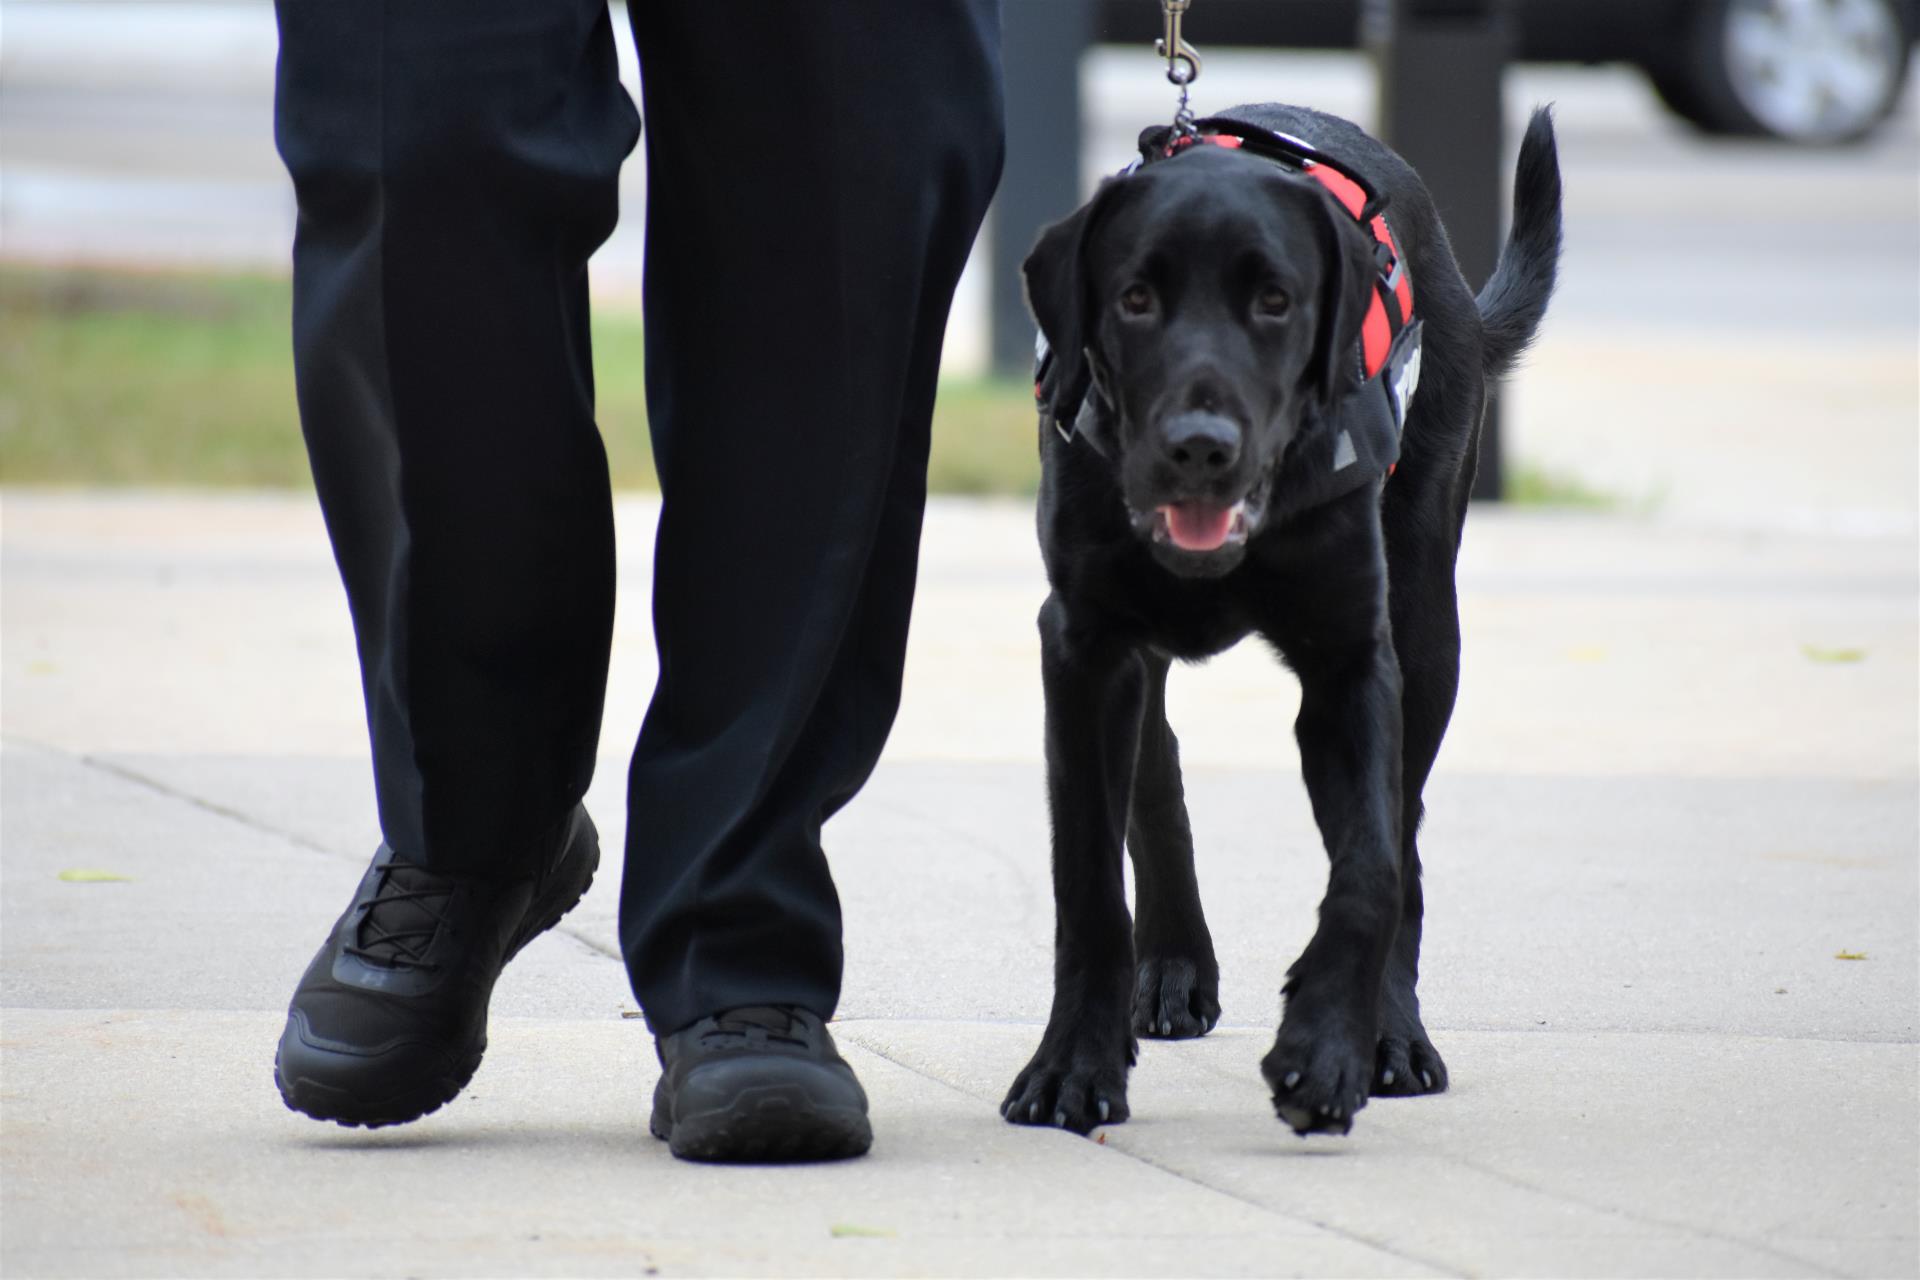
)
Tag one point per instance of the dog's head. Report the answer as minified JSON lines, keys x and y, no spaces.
{"x":1209,"y":305}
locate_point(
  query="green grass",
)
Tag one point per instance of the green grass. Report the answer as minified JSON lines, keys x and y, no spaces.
{"x":117,"y":378}
{"x":1533,"y":486}
{"x":124,"y":379}
{"x":985,"y":439}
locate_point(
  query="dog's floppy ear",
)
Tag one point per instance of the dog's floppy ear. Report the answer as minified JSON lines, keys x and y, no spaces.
{"x":1057,"y":288}
{"x":1346,"y":291}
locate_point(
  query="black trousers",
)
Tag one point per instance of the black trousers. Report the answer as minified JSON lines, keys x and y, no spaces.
{"x":816,"y":174}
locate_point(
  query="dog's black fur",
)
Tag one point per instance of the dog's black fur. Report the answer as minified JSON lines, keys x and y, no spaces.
{"x":1216,"y":287}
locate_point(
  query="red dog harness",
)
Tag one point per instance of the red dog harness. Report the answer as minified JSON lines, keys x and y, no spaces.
{"x":1358,"y":442}
{"x":1392,"y":305}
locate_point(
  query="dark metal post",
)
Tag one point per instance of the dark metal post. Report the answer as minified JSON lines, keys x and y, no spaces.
{"x":1041,"y":42}
{"x":1440,"y":65}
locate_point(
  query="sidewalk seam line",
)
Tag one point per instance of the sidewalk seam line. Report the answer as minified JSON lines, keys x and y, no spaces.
{"x":1266,"y":1028}
{"x":1631,"y":1215}
{"x":1431,"y":1152}
{"x":1189,"y":1179}
{"x":127,"y":774}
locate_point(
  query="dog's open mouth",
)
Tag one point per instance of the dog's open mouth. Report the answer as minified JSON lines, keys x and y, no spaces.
{"x":1201,"y":526}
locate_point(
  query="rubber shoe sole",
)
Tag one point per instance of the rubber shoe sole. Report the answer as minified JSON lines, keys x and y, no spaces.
{"x":320,"y":1101}
{"x":764,"y":1124}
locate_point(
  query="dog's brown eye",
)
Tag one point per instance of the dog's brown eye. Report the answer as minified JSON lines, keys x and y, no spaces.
{"x":1273,"y":302}
{"x":1136,"y":300}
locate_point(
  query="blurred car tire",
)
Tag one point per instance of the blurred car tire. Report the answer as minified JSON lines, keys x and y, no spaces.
{"x":1805,"y":71}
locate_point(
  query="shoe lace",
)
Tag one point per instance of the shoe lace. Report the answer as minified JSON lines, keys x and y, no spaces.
{"x":757,"y":1024}
{"x":397,"y":926}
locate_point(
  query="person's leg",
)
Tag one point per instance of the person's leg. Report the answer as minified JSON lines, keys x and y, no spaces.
{"x":816,"y":176}
{"x":455,"y":164}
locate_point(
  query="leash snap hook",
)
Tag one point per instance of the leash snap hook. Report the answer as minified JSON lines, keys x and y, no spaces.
{"x":1183,"y":60}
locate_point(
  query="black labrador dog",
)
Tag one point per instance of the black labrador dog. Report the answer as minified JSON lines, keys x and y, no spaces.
{"x":1224,"y":455}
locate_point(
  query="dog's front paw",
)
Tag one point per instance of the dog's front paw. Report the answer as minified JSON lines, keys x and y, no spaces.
{"x":1318,"y":1081}
{"x":1067,"y":1091}
{"x":1174,"y":1000}
{"x":1405,"y":1063}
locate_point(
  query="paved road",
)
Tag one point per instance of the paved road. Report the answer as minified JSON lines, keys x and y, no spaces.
{"x":167,"y":109}
{"x":1733,"y":314}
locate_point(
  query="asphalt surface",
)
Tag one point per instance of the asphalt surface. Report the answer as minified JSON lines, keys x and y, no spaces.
{"x":164,"y":108}
{"x":1734,"y":338}
{"x":1671,"y":842}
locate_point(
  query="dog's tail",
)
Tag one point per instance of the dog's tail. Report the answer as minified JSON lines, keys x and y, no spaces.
{"x":1515,"y":297}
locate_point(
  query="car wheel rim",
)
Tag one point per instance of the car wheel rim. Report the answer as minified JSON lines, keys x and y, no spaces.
{"x":1813,"y":70}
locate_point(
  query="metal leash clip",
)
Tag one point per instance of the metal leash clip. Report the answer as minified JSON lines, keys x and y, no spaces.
{"x":1183,"y":62}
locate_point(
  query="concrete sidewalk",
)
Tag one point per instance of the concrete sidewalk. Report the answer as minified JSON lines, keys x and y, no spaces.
{"x":1681,"y":784}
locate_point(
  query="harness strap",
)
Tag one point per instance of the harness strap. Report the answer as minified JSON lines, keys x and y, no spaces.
{"x":1393,"y":290}
{"x":1392,"y":303}
{"x":1362,"y":440}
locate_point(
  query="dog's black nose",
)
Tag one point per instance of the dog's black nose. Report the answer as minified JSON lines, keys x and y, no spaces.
{"x":1201,"y":446}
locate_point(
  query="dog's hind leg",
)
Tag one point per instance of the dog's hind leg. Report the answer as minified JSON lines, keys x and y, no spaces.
{"x":1176,"y":992}
{"x":1094,"y":687}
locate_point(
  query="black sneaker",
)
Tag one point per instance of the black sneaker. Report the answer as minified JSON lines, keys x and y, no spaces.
{"x":391,"y":1018}
{"x":761,"y":1084}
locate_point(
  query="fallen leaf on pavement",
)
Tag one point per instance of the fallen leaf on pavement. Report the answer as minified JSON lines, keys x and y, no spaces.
{"x":1819,"y":654}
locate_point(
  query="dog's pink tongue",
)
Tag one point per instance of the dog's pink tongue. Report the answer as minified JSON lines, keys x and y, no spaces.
{"x":1195,"y":526}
